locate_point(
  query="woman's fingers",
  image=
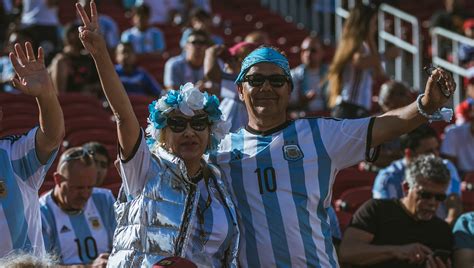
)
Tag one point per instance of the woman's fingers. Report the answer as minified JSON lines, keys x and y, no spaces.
{"x":83,"y":15}
{"x":94,"y":16}
{"x":41,"y":55}
{"x":29,"y":52}
{"x":20,"y":54}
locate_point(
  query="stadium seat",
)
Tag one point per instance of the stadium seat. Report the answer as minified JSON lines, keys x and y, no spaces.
{"x":6,"y":98}
{"x":107,"y":137}
{"x":83,"y":110}
{"x":352,"y":199}
{"x":72,"y":98}
{"x":114,"y":187}
{"x":88,"y":123}
{"x":21,"y":121}
{"x":17,"y":108}
{"x":350,"y":178}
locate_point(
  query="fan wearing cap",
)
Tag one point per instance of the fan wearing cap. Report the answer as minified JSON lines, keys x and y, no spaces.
{"x":281,"y":172}
{"x":78,"y":219}
{"x":232,"y":107}
{"x":172,"y":202}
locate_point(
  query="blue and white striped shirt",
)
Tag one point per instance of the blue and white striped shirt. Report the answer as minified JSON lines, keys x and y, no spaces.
{"x":282,"y":186}
{"x":151,"y":40}
{"x":21,"y":175}
{"x":79,"y":238}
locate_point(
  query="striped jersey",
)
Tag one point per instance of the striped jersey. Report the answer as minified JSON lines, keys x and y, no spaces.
{"x":21,"y":175}
{"x":282,"y":183}
{"x":151,"y":40}
{"x":79,"y":238}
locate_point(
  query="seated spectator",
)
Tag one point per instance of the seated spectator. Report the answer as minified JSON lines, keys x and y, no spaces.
{"x":135,"y":79}
{"x":188,"y":66}
{"x":145,"y":39}
{"x":40,"y":19}
{"x":72,"y":69}
{"x":78,"y":219}
{"x":464,"y":108}
{"x":389,"y":181}
{"x":402,"y":232}
{"x":232,"y":107}
{"x":458,"y":144}
{"x":6,"y":68}
{"x":25,"y":159}
{"x":202,"y":20}
{"x":466,"y":52}
{"x":108,"y":27}
{"x":162,"y":11}
{"x":101,"y":158}
{"x":258,"y":37}
{"x":309,"y":91}
{"x":463,"y":232}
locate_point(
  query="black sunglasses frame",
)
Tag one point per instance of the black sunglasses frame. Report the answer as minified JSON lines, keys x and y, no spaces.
{"x":428,"y":195}
{"x":251,"y":79}
{"x":197,"y":122}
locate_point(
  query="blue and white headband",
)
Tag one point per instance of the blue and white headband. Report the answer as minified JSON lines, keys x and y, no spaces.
{"x":187,"y":100}
{"x":264,"y":54}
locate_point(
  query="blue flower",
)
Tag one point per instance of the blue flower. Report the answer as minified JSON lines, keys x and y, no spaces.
{"x":173,"y":98}
{"x":212,"y":108}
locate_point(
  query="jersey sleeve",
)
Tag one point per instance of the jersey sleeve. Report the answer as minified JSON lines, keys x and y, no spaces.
{"x":464,"y":231}
{"x":25,"y":162}
{"x":134,"y":169}
{"x":365,"y":217}
{"x":346,"y":141}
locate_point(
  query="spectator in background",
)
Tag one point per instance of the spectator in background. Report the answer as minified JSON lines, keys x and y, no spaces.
{"x":146,"y":39}
{"x":40,"y":18}
{"x":402,"y":232}
{"x":78,"y":219}
{"x":466,"y":52}
{"x":6,"y":8}
{"x":135,"y":79}
{"x":101,"y":158}
{"x":202,"y":20}
{"x":463,"y":232}
{"x":26,"y":158}
{"x":464,"y":108}
{"x":309,"y":92}
{"x":355,"y":65}
{"x":232,"y":107}
{"x":162,"y":11}
{"x":458,"y":144}
{"x":108,"y":26}
{"x":389,"y":181}
{"x":188,"y":66}
{"x":258,"y":37}
{"x":6,"y":68}
{"x":72,"y":69}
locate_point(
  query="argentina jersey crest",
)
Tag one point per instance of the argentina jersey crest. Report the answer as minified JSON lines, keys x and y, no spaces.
{"x":292,"y":152}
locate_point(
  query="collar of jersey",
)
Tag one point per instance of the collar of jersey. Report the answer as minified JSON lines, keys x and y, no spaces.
{"x":268,"y":132}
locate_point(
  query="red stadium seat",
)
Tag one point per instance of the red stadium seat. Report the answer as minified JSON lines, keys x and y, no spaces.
{"x":107,"y":137}
{"x":350,"y":178}
{"x":344,"y":219}
{"x":21,"y":121}
{"x":72,"y":98}
{"x":16,"y":98}
{"x":140,"y":100}
{"x":17,"y":108}
{"x":81,"y":110}
{"x":87,"y":123}
{"x":114,"y":187}
{"x":352,"y":199}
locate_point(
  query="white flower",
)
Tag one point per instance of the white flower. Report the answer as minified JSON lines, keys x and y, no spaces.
{"x":220,"y":129}
{"x":185,"y":109}
{"x":193,"y":97}
{"x":152,"y":131}
{"x":161,"y":105}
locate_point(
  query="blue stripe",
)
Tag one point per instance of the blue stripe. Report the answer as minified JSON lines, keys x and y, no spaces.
{"x":104,"y":207}
{"x":52,"y":243}
{"x":81,"y":230}
{"x":324,"y":174}
{"x":300,"y":197}
{"x":26,"y":166}
{"x":242,"y":202}
{"x":273,"y":212}
{"x":13,"y":207}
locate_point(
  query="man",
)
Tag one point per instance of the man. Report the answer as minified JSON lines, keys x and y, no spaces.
{"x":309,"y":90}
{"x":403,"y":232}
{"x":188,"y":66}
{"x":423,"y":140}
{"x":101,"y":158}
{"x":463,"y":232}
{"x":78,"y":219}
{"x":281,"y":172}
{"x":25,"y":159}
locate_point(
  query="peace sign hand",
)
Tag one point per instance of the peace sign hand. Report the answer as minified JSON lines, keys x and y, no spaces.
{"x":33,"y":78}
{"x":89,"y":33}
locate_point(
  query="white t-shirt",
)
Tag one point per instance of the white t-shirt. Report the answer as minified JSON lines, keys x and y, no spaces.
{"x":21,"y":176}
{"x":459,"y":142}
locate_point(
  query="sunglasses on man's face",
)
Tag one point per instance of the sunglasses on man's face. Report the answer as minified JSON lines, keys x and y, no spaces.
{"x":311,"y":50}
{"x":178,"y":124}
{"x":198,"y":42}
{"x":428,"y":195}
{"x":257,"y":80}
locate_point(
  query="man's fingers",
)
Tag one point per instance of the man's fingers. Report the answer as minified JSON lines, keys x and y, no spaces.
{"x":30,"y":54}
{"x":16,"y":64}
{"x":425,"y":249}
{"x":20,"y":54}
{"x":41,"y":55}
{"x":83,"y":15}
{"x":18,"y":85}
{"x":94,"y":16}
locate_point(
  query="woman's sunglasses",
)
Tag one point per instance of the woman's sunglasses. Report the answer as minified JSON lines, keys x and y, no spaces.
{"x":178,"y":124}
{"x":257,"y":80}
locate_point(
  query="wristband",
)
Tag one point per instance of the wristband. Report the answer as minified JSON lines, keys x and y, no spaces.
{"x":445,"y":114}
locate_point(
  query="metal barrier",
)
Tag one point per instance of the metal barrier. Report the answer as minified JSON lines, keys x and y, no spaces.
{"x":438,"y":34}
{"x":414,"y":48}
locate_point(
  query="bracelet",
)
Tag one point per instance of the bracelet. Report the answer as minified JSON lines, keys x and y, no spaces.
{"x":443,"y":114}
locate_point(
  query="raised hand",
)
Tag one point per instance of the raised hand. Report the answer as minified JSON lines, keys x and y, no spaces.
{"x":89,"y":33}
{"x":33,"y":78}
{"x":434,"y":97}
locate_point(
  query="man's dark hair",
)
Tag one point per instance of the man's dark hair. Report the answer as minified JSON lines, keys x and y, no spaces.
{"x":142,"y":10}
{"x":199,"y":33}
{"x":199,"y":14}
{"x":413,"y":139}
{"x":97,"y":148}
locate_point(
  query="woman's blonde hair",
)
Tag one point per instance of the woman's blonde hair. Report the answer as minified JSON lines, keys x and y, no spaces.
{"x":355,"y":31}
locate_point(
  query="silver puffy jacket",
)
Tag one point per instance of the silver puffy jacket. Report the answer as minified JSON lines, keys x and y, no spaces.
{"x":156,"y":224}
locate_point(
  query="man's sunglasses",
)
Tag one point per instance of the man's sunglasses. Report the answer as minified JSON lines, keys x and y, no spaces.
{"x":78,"y":154}
{"x":311,"y":50}
{"x":429,"y":195}
{"x":178,"y":124}
{"x":257,"y":80}
{"x":198,"y":43}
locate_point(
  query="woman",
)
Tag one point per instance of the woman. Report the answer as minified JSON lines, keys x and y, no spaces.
{"x":173,"y":203}
{"x":355,"y":64}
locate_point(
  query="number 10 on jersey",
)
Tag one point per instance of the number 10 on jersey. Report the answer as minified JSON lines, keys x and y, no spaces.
{"x":266,"y":180}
